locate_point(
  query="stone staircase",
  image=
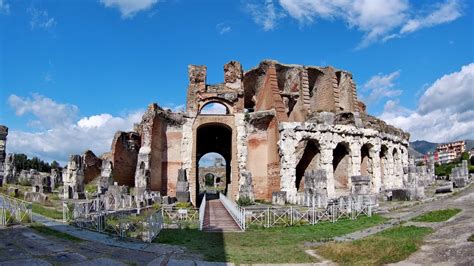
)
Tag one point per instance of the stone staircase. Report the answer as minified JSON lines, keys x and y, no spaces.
{"x":218,"y":219}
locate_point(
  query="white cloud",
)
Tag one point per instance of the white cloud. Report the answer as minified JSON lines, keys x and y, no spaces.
{"x":129,"y":8}
{"x":381,"y":86}
{"x":264,"y":15}
{"x":378,"y":20}
{"x":4,"y":7}
{"x":94,"y":133}
{"x":72,"y":136}
{"x":223,"y":28}
{"x":443,"y":13}
{"x":209,"y":159}
{"x":40,"y":19}
{"x":445,"y":111}
{"x":47,"y":112}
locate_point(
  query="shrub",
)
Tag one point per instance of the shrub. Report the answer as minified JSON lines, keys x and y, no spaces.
{"x":91,"y":188}
{"x":183,"y":205}
{"x":244,"y":201}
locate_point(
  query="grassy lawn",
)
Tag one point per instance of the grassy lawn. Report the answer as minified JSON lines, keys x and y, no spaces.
{"x":436,"y":216}
{"x":48,"y":212}
{"x":272,"y":245}
{"x":51,"y":232}
{"x":389,"y":246}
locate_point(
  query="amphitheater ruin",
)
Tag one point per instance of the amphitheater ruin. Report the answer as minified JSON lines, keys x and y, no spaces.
{"x":286,"y":133}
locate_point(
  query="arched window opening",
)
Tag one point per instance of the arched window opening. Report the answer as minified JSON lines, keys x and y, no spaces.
{"x":366,"y":163}
{"x":214,"y":108}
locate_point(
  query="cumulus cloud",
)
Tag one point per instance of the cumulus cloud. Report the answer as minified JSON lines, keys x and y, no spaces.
{"x":381,"y":86}
{"x":47,"y":112}
{"x":378,"y":20}
{"x":129,"y":8}
{"x":40,"y":19}
{"x":4,"y":7}
{"x":265,"y":15}
{"x":72,"y":136}
{"x":445,"y":111}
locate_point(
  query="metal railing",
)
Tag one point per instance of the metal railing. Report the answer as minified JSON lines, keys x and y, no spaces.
{"x":234,"y":210}
{"x":290,"y":216}
{"x":202,"y":212}
{"x":13,"y":211}
{"x":91,"y":215}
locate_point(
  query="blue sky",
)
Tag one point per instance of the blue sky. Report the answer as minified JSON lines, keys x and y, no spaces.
{"x":72,"y":72}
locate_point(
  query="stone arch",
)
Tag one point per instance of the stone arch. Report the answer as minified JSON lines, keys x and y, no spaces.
{"x":310,"y":159}
{"x":215,"y":106}
{"x":341,"y":163}
{"x":383,"y":155}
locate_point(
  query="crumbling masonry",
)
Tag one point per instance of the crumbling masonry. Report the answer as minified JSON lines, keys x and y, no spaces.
{"x":288,"y":132}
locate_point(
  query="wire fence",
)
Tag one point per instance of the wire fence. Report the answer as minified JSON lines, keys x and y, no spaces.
{"x":143,"y":225}
{"x":14,"y":211}
{"x":349,"y":208}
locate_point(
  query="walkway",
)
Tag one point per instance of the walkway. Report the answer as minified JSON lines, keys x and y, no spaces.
{"x":218,"y":219}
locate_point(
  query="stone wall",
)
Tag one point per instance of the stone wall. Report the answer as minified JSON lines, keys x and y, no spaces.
{"x":328,"y":137}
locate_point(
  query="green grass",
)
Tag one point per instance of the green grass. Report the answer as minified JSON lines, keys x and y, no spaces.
{"x":51,"y":232}
{"x":272,"y":245}
{"x":471,"y":238}
{"x":388,"y":246}
{"x":48,"y":212}
{"x":436,"y":216}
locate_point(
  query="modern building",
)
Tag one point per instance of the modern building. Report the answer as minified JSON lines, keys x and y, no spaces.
{"x":458,"y":147}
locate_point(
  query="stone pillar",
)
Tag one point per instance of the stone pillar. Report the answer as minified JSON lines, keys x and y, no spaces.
{"x":377,"y":177}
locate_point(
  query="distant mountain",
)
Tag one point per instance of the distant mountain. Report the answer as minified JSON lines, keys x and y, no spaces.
{"x":423,"y":146}
{"x":413,"y":153}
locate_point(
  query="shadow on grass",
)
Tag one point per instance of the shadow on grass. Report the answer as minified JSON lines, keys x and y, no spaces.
{"x":262,"y":245}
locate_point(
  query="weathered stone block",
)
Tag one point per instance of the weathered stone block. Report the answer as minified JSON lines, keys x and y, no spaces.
{"x":279,"y":198}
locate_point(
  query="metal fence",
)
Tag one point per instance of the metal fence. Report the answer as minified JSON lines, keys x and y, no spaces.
{"x":13,"y":211}
{"x":143,"y":225}
{"x":176,"y":217}
{"x":290,"y":216}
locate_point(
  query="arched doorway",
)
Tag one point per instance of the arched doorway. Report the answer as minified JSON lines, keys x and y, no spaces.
{"x":214,"y":138}
{"x":341,"y":163}
{"x":310,"y":160}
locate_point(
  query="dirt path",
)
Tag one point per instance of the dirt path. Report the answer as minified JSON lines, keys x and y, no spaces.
{"x":448,"y":245}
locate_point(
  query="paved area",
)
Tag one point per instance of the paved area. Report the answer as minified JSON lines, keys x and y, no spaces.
{"x":448,"y":245}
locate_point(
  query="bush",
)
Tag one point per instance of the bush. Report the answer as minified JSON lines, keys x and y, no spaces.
{"x":183,"y":205}
{"x":91,"y":188}
{"x":244,"y":201}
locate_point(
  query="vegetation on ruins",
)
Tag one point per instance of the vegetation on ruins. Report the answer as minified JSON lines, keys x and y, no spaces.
{"x":388,"y":246}
{"x":264,"y":245}
{"x":436,"y":216}
{"x":471,"y":238}
{"x":244,"y":201}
